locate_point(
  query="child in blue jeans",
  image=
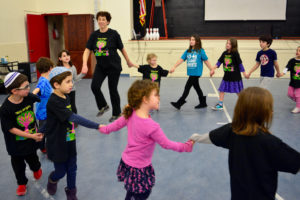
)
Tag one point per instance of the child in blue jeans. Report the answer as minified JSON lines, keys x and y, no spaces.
{"x":60,"y":132}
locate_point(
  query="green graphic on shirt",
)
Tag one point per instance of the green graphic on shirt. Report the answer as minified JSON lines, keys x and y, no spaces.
{"x":24,"y":120}
{"x":70,"y":132}
{"x":101,"y":44}
{"x":154,"y":75}
{"x":296,"y":76}
{"x":228,"y":64}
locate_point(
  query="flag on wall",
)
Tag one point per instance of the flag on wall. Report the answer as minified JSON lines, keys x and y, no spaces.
{"x":142,"y":12}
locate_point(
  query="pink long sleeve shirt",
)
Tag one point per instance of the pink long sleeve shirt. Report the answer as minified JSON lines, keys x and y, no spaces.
{"x":143,"y":133}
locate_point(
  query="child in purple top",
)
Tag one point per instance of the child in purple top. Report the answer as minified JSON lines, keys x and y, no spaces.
{"x":232,"y":65}
{"x":135,"y":168}
{"x":267,"y":59}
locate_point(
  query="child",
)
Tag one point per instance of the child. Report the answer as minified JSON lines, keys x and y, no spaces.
{"x":195,"y":55}
{"x":255,"y":155}
{"x":294,"y":87}
{"x":232,"y":65}
{"x":19,"y":128}
{"x":60,"y":132}
{"x":152,"y":71}
{"x":267,"y":59}
{"x":135,"y":168}
{"x":64,"y":59}
{"x":43,"y":90}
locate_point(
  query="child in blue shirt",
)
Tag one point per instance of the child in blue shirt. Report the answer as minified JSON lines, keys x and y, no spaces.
{"x":267,"y":59}
{"x":43,"y":90}
{"x":194,"y":56}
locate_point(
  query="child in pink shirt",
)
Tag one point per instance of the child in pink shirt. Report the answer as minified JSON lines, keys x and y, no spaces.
{"x":135,"y":168}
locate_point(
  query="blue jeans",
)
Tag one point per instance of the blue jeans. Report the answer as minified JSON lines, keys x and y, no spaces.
{"x":69,"y":167}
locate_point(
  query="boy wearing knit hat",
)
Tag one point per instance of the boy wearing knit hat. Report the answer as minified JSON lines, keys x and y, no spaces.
{"x":18,"y":125}
{"x":60,"y":132}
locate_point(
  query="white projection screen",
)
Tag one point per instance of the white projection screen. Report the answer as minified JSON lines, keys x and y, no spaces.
{"x":245,"y":10}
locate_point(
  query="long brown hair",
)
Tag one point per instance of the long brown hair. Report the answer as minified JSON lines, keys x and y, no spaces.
{"x":137,"y":91}
{"x":234,"y":45}
{"x":253,"y":112}
{"x":198,"y":44}
{"x":59,"y":62}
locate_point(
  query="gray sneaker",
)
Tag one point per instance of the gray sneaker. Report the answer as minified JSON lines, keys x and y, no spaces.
{"x":113,"y":118}
{"x":102,"y":110}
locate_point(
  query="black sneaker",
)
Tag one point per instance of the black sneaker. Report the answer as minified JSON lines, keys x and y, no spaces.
{"x":113,"y":118}
{"x":102,"y":110}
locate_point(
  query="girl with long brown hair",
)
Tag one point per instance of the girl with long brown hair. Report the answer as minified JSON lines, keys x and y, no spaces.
{"x":195,"y":56}
{"x":232,"y":66}
{"x":255,"y":155}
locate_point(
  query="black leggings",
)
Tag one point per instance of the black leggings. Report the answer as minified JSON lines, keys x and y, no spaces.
{"x":113,"y":80}
{"x":192,"y":81}
{"x":134,"y":196}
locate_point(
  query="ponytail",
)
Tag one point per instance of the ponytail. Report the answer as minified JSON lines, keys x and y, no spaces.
{"x":127,"y":111}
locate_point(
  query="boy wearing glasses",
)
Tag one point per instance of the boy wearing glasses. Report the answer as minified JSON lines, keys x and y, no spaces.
{"x":18,"y":125}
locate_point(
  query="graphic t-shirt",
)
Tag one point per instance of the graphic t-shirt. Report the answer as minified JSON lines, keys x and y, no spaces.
{"x":20,"y":116}
{"x":231,"y":62}
{"x":44,"y":94}
{"x":60,"y":133}
{"x":194,"y":60}
{"x":154,"y":74}
{"x":266,"y":60}
{"x":105,"y":46}
{"x":294,"y":68}
{"x":254,"y":162}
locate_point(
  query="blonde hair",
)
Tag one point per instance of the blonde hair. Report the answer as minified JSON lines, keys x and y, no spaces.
{"x":253,"y":112}
{"x":150,"y":56}
{"x":137,"y":91}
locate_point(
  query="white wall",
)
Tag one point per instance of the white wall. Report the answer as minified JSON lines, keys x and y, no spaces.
{"x":13,"y":40}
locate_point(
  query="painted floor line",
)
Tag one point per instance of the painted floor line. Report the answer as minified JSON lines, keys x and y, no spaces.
{"x":38,"y":186}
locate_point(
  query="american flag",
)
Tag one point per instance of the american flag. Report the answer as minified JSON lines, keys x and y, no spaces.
{"x":142,"y":12}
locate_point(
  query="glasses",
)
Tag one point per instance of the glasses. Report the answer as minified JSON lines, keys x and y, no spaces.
{"x":23,"y":88}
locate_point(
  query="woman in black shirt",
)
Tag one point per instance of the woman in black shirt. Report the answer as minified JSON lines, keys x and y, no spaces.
{"x":104,"y":42}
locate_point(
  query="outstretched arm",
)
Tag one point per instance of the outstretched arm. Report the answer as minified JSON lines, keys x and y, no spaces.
{"x":83,"y":121}
{"x":114,"y":126}
{"x":176,"y":65}
{"x":124,"y":52}
{"x":204,"y":138}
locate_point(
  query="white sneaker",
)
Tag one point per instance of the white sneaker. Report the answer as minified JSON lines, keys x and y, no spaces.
{"x":296,"y":110}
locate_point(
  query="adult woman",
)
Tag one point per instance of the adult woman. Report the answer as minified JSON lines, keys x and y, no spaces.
{"x":104,"y":42}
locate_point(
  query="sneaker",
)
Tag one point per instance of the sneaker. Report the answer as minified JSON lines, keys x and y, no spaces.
{"x":217,"y":107}
{"x":37,"y":175}
{"x":43,"y":151}
{"x":21,"y":190}
{"x":102,"y":110}
{"x":113,"y":118}
{"x":296,"y":110}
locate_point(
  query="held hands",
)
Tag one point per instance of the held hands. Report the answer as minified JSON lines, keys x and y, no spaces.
{"x":189,"y":146}
{"x":278,"y":74}
{"x":129,"y":63}
{"x":172,"y":70}
{"x":247,"y":76}
{"x":212,"y":72}
{"x":37,"y":136}
{"x":101,"y":129}
{"x":84,"y":69}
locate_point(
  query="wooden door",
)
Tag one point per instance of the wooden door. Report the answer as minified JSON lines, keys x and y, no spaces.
{"x":77,"y":30}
